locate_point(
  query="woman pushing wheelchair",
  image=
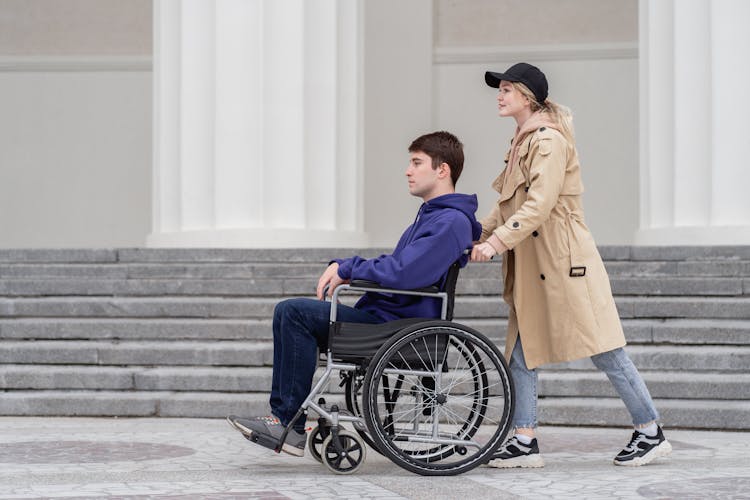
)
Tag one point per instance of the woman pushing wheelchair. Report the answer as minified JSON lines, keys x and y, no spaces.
{"x":561,"y":304}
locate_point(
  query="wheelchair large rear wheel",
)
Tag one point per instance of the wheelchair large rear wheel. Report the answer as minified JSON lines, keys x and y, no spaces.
{"x":454,"y":402}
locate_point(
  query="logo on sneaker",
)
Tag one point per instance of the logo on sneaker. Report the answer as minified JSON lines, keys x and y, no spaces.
{"x":516,"y":454}
{"x":643,"y":449}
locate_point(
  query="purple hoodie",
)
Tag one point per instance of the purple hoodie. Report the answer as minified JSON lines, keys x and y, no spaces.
{"x":445,"y":226}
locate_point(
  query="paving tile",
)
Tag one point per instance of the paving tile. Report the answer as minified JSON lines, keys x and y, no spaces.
{"x":181,"y":459}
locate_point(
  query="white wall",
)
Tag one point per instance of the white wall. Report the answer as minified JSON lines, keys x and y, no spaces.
{"x":75,"y":157}
{"x":75,"y":126}
{"x":397,"y":109}
{"x":75,"y":89}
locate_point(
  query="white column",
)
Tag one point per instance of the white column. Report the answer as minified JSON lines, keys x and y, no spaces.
{"x":238,"y":136}
{"x":693,"y":61}
{"x":692,"y":118}
{"x":254,"y":103}
{"x":731,"y":108}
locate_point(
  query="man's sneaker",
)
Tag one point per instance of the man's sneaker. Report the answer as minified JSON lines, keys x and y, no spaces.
{"x":266,"y":431}
{"x":643,"y":449}
{"x":516,"y":454}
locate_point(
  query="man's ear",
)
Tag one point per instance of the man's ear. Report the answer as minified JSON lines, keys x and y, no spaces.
{"x":444,"y":170}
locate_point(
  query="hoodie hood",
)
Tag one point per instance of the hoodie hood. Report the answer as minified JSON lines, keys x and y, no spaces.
{"x":465,"y":203}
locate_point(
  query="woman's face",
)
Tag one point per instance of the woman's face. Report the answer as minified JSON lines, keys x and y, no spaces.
{"x":510,"y":101}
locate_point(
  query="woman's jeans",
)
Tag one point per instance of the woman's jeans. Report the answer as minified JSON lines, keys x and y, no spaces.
{"x":616,"y":364}
{"x":299,"y":327}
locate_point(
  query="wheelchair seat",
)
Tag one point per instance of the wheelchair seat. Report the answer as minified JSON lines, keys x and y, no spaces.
{"x":358,"y":342}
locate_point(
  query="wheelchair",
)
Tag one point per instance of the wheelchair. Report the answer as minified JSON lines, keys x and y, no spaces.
{"x":433,"y":396}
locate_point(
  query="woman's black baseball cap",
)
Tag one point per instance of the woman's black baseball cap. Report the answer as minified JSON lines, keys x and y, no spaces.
{"x":525,"y":73}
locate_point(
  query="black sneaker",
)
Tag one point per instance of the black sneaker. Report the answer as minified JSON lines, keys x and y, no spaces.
{"x":516,"y":454}
{"x":266,"y":431}
{"x":643,"y":449}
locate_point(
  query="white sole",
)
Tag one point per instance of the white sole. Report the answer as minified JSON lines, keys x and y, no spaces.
{"x":529,"y":461}
{"x":662,"y":450}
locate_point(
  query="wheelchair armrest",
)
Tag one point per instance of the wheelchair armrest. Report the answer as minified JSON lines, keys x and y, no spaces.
{"x":372,"y":285}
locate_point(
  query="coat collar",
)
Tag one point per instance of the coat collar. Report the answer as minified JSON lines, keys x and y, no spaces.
{"x":507,"y":188}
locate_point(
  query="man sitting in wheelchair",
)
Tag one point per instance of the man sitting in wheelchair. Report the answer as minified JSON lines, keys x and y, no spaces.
{"x":444,"y":228}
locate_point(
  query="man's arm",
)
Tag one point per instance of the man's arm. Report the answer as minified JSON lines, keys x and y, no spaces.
{"x":422,"y":262}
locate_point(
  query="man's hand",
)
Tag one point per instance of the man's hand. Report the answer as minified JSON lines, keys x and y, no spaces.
{"x":330,"y":278}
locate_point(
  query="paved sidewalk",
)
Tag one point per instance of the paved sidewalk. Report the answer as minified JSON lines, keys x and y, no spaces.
{"x":84,"y":458}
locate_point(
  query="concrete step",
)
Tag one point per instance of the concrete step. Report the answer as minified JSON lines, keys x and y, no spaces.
{"x":670,"y":385}
{"x":281,"y":285}
{"x":251,"y":287}
{"x":165,"y":270}
{"x":661,"y":384}
{"x":135,"y":329}
{"x":675,"y":413}
{"x":262,"y":307}
{"x":141,"y":378}
{"x":216,"y":353}
{"x":660,"y":286}
{"x":733,"y":359}
{"x":646,"y":331}
{"x":312,"y":269}
{"x":672,"y":331}
{"x":131,"y":307}
{"x":132,"y":403}
{"x":684,"y":307}
{"x":127,"y":255}
{"x":727,"y":268}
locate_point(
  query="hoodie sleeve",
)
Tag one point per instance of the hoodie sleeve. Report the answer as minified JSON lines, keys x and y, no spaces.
{"x":422,"y":261}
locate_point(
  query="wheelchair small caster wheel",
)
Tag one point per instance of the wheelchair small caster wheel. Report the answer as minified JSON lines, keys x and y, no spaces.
{"x":315,"y":441}
{"x":345,"y":454}
{"x":461,"y":450}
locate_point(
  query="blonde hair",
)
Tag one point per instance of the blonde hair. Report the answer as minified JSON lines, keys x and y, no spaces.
{"x":561,"y":115}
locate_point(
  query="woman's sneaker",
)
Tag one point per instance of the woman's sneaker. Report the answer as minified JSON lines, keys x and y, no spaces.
{"x":266,"y":431}
{"x":643,"y":449}
{"x":516,"y":454}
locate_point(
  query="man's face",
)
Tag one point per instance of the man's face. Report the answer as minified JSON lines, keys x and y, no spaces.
{"x":423,"y":179}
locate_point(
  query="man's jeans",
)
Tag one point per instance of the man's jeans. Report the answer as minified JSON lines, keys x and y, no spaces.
{"x":299,"y":327}
{"x":616,"y":364}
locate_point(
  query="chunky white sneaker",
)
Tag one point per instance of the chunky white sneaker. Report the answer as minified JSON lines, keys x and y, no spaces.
{"x":516,"y":454}
{"x":643,"y":449}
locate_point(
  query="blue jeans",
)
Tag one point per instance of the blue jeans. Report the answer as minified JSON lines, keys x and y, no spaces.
{"x":299,"y":327}
{"x":616,"y":364}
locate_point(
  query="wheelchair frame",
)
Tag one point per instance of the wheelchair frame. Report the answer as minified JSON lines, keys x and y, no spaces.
{"x":339,"y":446}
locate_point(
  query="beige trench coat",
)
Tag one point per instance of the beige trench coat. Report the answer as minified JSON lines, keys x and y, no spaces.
{"x":555,"y":283}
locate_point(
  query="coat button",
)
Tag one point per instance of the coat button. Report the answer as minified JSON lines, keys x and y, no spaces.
{"x":516,"y":224}
{"x":542,"y":129}
{"x":535,"y":234}
{"x":542,"y":276}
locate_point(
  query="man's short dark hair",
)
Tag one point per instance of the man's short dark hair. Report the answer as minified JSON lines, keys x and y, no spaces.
{"x":442,"y":147}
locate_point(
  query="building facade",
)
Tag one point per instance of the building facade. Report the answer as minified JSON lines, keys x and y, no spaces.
{"x":285,"y":123}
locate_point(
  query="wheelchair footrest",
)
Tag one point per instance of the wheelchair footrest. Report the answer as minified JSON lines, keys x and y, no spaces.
{"x":264,"y":441}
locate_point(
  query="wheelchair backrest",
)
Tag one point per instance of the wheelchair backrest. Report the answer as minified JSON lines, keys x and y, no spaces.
{"x":450,"y":288}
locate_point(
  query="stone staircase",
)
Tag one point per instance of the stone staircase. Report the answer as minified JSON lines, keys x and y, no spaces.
{"x":187,"y":332}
